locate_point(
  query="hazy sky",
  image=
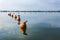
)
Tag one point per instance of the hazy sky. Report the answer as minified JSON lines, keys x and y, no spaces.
{"x":29,"y":4}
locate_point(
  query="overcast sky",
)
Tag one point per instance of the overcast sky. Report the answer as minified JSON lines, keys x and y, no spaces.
{"x":29,"y":4}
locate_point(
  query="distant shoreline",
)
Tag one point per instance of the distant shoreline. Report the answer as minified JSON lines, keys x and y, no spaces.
{"x":29,"y":11}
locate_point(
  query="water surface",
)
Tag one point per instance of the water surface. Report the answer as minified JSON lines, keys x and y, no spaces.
{"x":40,"y":26}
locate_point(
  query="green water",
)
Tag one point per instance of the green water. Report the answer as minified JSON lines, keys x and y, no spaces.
{"x":40,"y":26}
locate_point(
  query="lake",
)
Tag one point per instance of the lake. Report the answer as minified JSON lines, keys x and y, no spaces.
{"x":40,"y":26}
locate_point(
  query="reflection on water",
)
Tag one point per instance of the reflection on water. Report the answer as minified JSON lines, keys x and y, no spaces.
{"x":40,"y":26}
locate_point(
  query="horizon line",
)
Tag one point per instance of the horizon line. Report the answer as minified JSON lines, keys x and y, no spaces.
{"x":28,"y":11}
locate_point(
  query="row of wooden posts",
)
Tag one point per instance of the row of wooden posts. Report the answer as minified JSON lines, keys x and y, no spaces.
{"x":22,"y":25}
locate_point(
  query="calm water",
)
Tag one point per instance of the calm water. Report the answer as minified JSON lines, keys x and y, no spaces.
{"x":40,"y":26}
